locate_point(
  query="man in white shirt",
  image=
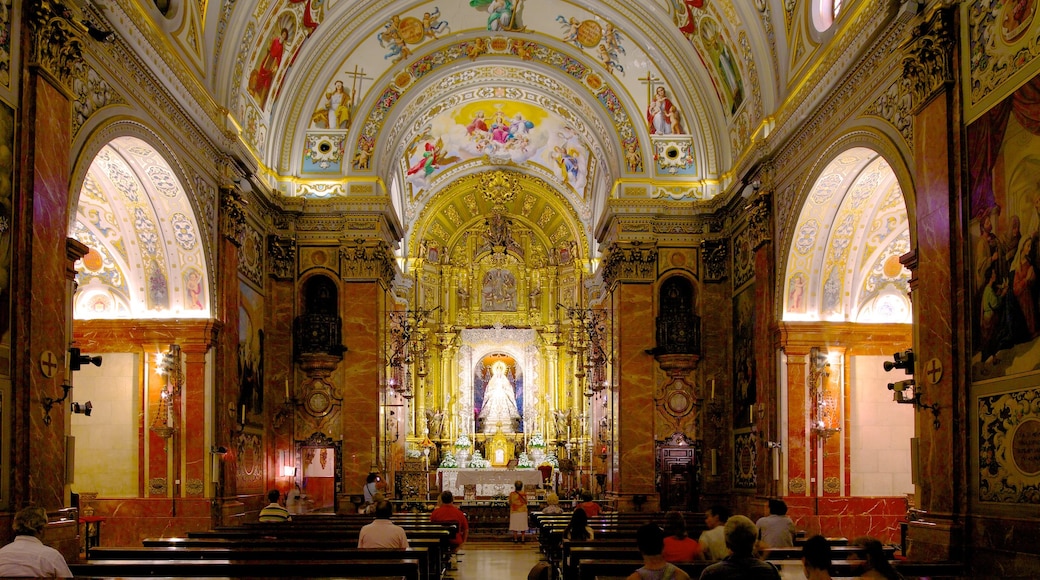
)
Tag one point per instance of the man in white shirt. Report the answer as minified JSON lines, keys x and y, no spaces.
{"x":26,"y":556}
{"x":383,"y":533}
{"x":713,"y":541}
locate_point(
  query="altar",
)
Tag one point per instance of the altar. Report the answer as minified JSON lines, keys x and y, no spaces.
{"x":487,"y":482}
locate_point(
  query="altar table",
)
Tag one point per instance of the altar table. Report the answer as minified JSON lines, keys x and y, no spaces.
{"x":489,"y":482}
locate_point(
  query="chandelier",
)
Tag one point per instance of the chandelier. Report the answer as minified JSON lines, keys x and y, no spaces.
{"x":589,"y":343}
{"x":408,"y":353}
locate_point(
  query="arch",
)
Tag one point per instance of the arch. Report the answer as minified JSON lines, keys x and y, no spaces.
{"x":677,"y":323}
{"x":149,"y":249}
{"x":842,"y":258}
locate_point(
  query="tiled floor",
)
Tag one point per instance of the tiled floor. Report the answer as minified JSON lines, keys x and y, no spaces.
{"x":494,"y":560}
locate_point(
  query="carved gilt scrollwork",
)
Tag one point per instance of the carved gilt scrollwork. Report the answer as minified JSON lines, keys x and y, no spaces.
{"x":366,"y":259}
{"x":57,"y":47}
{"x":715,"y":254}
{"x":760,"y":223}
{"x":282,"y":253}
{"x":233,"y":216}
{"x":928,"y":65}
{"x":632,"y":261}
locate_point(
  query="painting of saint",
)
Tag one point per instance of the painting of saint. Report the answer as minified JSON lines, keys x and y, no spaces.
{"x":262,"y":77}
{"x":499,"y":291}
{"x":662,"y":116}
{"x":744,"y":387}
{"x":499,"y":395}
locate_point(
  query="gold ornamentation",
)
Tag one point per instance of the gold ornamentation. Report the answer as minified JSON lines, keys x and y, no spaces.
{"x":759,"y":220}
{"x":233,"y":216}
{"x":282,"y":254}
{"x":366,"y":259}
{"x":630,"y":262}
{"x":500,"y":188}
{"x":796,"y":485}
{"x":715,"y":254}
{"x":927,"y":66}
{"x":831,"y":485}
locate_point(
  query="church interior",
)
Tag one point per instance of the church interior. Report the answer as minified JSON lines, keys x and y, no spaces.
{"x":675,"y":253}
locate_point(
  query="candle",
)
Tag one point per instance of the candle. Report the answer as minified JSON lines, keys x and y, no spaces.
{"x":751,"y":413}
{"x":712,"y":389}
{"x":714,"y":456}
{"x":286,"y":389}
{"x":169,"y":413}
{"x":242,"y":414}
{"x":776,"y":463}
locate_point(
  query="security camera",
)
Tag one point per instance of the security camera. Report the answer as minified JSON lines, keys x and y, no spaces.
{"x":218,"y":450}
{"x":902,"y":391}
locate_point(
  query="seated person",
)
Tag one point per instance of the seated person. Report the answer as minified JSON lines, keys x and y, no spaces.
{"x":870,"y":561}
{"x":26,"y":556}
{"x":678,"y":547}
{"x":816,"y":558}
{"x":383,"y":533}
{"x":776,"y":529}
{"x":741,"y":535}
{"x":591,"y":508}
{"x":578,"y":528}
{"x":448,"y":513}
{"x":650,"y":540}
{"x":274,"y":512}
{"x":552,"y":504}
{"x":713,"y":540}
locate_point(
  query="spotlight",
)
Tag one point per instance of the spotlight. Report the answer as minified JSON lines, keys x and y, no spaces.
{"x":218,"y":450}
{"x":84,"y":408}
{"x":77,"y":360}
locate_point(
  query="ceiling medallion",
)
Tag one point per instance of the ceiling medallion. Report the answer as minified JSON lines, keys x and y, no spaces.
{"x":499,"y":187}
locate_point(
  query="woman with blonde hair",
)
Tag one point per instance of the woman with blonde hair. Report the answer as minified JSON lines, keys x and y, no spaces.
{"x":552,"y":504}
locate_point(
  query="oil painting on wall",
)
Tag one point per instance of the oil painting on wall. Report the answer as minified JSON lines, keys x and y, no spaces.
{"x":743,"y":357}
{"x":1004,"y":177}
{"x":250,"y":407}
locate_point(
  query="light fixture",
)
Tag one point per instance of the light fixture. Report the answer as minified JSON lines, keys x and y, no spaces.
{"x":83,"y":409}
{"x":49,"y":402}
{"x":824,"y":412}
{"x":77,"y":360}
{"x":168,"y":366}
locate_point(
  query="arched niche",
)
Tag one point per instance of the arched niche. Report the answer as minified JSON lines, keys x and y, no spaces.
{"x":678,"y":325}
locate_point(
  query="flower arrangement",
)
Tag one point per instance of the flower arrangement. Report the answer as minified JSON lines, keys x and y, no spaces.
{"x":478,"y":461}
{"x":524,"y":461}
{"x":536,"y":442}
{"x":449,"y":460}
{"x":463,"y":442}
{"x":551,"y":459}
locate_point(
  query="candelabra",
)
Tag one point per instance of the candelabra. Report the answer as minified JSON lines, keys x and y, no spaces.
{"x":589,"y":343}
{"x":824,"y":421}
{"x":168,"y":366}
{"x":408,"y":350}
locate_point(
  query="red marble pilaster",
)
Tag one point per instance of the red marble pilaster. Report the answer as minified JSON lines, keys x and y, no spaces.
{"x":798,"y":450}
{"x":279,"y":370}
{"x":942,"y":476}
{"x":362,"y":310}
{"x":765,"y":369}
{"x":195,"y":454}
{"x":226,"y":386}
{"x":633,"y":307}
{"x":40,"y":293}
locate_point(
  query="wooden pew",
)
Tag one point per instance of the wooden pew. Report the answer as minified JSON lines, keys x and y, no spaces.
{"x":600,"y":568}
{"x":433,"y":563}
{"x":251,"y":553}
{"x":335,"y":568}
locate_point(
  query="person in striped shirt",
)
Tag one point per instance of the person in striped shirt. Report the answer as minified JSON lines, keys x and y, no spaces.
{"x":274,"y":512}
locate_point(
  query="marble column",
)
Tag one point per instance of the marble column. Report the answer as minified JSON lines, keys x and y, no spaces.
{"x":362,"y":306}
{"x":936,"y":205}
{"x":633,"y":309}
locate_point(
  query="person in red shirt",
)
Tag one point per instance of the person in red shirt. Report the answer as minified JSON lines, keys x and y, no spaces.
{"x":678,"y":547}
{"x":448,"y":513}
{"x":591,"y":508}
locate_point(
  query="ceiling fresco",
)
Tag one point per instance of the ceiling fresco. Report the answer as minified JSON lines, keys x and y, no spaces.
{"x":844,"y":260}
{"x":333,"y":90}
{"x":146,"y":257}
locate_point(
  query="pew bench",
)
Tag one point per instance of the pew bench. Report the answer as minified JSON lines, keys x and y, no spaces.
{"x":331,"y":568}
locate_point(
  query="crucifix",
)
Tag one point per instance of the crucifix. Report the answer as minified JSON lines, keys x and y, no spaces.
{"x":649,"y":81}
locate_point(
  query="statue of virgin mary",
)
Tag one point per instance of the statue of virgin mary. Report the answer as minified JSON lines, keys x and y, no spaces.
{"x":499,"y":409}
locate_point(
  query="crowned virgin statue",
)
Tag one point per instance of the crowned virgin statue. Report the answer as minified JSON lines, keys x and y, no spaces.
{"x":499,"y":409}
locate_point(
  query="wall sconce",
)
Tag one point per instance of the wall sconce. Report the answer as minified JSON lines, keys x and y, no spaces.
{"x":49,"y":402}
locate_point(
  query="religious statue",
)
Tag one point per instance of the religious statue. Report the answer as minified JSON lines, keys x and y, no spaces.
{"x":499,"y":408}
{"x":562,"y":421}
{"x":435,"y":422}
